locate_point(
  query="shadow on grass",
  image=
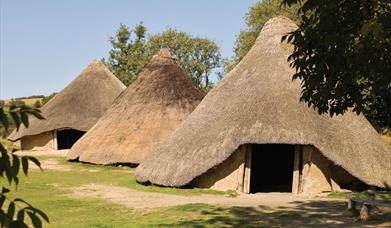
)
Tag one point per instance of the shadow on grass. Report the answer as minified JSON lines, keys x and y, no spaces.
{"x":299,"y":214}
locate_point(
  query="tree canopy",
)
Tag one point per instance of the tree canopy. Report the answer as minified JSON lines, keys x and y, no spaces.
{"x":128,"y":54}
{"x":196,"y":56}
{"x":342,"y":55}
{"x":256,"y":17}
{"x":132,"y":49}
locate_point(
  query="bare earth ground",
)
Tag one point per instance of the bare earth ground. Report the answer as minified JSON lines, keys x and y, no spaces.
{"x":52,"y":164}
{"x":140,"y":200}
{"x":38,"y":153}
{"x":276,"y":208}
{"x":48,"y":164}
{"x":332,"y":209}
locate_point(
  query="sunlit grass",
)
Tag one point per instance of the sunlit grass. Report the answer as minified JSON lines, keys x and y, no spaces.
{"x":50,"y":191}
{"x":379,"y":195}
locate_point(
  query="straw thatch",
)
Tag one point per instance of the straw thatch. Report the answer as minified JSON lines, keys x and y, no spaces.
{"x":142,"y":117}
{"x":258,"y":103}
{"x":79,"y":105}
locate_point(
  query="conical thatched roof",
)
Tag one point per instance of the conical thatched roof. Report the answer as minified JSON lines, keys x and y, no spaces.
{"x":143,"y":116}
{"x":79,"y":105}
{"x":258,"y":103}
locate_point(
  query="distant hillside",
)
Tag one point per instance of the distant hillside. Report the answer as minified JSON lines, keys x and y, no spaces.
{"x":34,"y":100}
{"x":29,"y":97}
{"x":27,"y":101}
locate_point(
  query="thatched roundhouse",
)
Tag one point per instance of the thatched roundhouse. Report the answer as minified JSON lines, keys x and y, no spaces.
{"x":73,"y":111}
{"x":143,"y":116}
{"x":251,"y":134}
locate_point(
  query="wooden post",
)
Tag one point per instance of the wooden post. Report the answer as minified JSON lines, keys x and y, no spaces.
{"x":296,"y":170}
{"x":242,"y":168}
{"x":55,"y":145}
{"x":247,"y":171}
{"x":306,"y":163}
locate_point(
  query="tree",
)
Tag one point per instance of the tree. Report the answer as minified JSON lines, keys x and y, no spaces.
{"x":14,"y":211}
{"x":37,"y":104}
{"x":197,"y":56}
{"x":342,"y":55}
{"x":255,"y":19}
{"x":47,"y":99}
{"x":128,"y":54}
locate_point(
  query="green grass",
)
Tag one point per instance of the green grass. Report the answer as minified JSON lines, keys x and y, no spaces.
{"x":379,"y":195}
{"x":117,"y":176}
{"x":49,"y":191}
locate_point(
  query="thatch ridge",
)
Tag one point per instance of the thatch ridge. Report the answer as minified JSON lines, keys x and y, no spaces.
{"x":143,"y":116}
{"x":258,"y":103}
{"x":79,"y":105}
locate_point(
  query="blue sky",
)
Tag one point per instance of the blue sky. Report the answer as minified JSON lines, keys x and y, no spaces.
{"x":44,"y":44}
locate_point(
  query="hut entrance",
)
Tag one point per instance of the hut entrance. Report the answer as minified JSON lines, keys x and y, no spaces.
{"x":271,"y":168}
{"x":66,"y":138}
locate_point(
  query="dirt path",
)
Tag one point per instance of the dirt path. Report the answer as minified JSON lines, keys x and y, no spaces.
{"x":48,"y":163}
{"x":138,"y":199}
{"x":51,"y":164}
{"x":280,"y":209}
{"x":51,"y":153}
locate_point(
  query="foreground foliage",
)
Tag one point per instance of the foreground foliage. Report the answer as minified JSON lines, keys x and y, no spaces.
{"x":13,"y":211}
{"x":342,"y":55}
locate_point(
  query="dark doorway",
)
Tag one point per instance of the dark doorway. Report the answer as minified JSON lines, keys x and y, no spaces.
{"x":66,"y":138}
{"x":271,"y":168}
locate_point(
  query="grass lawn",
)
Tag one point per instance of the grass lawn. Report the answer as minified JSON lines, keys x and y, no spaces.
{"x":50,"y":192}
{"x":380,"y":195}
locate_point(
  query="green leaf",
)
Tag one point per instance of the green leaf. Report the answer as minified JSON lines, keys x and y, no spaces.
{"x":35,"y":220}
{"x":20,"y":216}
{"x":2,"y":200}
{"x":17,"y":224}
{"x":34,"y":160}
{"x":38,"y":115}
{"x":42,"y":214}
{"x":11,"y":210}
{"x":25,"y":165}
{"x":22,"y":201}
{"x":25,"y":119}
{"x":15,"y":164}
{"x":9,"y":173}
{"x":16,"y":119}
{"x":2,"y":149}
